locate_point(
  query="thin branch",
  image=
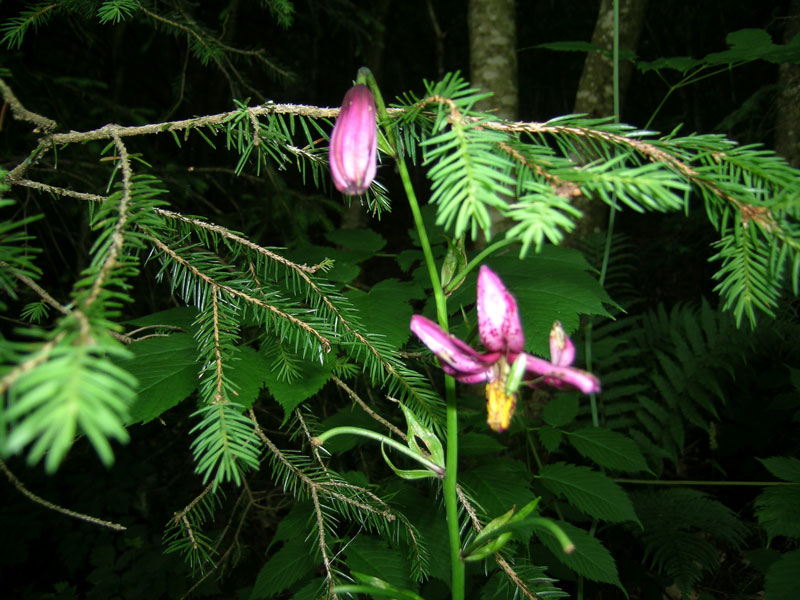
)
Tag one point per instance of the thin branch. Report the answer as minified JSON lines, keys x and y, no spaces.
{"x":355,"y":397}
{"x":218,"y":396}
{"x":43,"y":124}
{"x":321,"y":532}
{"x":117,"y":237}
{"x":49,"y":505}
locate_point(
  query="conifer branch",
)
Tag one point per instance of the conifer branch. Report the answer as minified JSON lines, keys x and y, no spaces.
{"x":326,"y":486}
{"x":237,"y":293}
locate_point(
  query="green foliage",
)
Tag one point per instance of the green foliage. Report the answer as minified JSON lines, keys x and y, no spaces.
{"x":782,"y":582}
{"x":590,"y":491}
{"x":679,"y":526}
{"x":273,"y":345}
{"x":14,"y":29}
{"x":292,"y":563}
{"x":608,"y":449}
{"x":65,"y":392}
{"x":590,"y":559}
{"x":115,"y":11}
{"x":667,"y":371}
{"x":777,"y":507}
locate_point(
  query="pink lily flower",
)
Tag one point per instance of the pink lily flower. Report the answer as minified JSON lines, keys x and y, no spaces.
{"x":500,"y":331}
{"x":353,"y":150}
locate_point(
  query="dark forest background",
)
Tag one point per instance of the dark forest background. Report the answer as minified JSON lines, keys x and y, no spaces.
{"x":84,"y":74}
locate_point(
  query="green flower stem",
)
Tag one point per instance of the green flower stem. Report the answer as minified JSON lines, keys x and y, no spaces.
{"x":701,"y":483}
{"x":368,"y":433}
{"x":566,"y":544}
{"x":451,"y":460}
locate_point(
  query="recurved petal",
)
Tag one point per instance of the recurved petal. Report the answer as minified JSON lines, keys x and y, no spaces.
{"x":562,"y":350}
{"x":498,"y":318}
{"x":458,"y":359}
{"x":559,"y":376}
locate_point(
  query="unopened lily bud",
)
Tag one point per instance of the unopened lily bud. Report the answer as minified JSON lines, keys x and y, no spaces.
{"x":353,"y":152}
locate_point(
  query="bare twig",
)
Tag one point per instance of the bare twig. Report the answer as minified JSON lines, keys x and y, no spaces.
{"x":355,"y":397}
{"x":43,"y":124}
{"x":55,"y":507}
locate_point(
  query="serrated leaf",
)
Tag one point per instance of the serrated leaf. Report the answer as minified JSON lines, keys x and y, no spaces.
{"x":561,"y":410}
{"x":782,"y":582}
{"x":783,"y":467}
{"x":550,"y":438}
{"x":590,"y":491}
{"x":166,"y":368}
{"x":387,"y":309}
{"x":371,"y":556}
{"x":480,"y":444}
{"x":499,"y":485}
{"x":609,"y":449}
{"x":290,"y":395}
{"x":778,"y":510}
{"x":286,"y":567}
{"x":590,"y":558}
{"x":364,"y":241}
{"x":249,"y":374}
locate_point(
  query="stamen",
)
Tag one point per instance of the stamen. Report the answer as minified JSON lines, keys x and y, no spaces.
{"x":499,"y":405}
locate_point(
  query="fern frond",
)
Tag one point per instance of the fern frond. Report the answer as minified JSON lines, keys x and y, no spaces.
{"x":677,"y":525}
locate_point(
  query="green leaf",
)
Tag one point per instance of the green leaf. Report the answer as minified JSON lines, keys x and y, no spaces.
{"x":477,"y":444}
{"x":783,"y":467}
{"x":291,"y":394}
{"x":166,"y":368}
{"x":590,"y":559}
{"x":608,"y":449}
{"x":248,"y":373}
{"x":371,"y":556}
{"x":286,"y":567}
{"x":550,"y":438}
{"x":782,"y":582}
{"x":561,"y":410}
{"x":313,"y":590}
{"x":387,"y":310}
{"x":590,"y":491}
{"x":363,"y":241}
{"x":778,"y":511}
{"x":499,"y":485}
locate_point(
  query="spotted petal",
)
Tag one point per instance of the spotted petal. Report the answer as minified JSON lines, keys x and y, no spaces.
{"x":498,"y":318}
{"x":457,"y":358}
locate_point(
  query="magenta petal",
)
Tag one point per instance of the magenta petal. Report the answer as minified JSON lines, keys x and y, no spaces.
{"x":562,"y":350}
{"x":498,"y":318}
{"x":457,"y":358}
{"x":556,"y":375}
{"x":481,"y":376}
{"x":353,"y":151}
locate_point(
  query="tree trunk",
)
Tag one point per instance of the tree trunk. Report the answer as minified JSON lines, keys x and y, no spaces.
{"x":595,"y":95}
{"x":493,"y":54}
{"x":493,"y":67}
{"x":787,"y":126}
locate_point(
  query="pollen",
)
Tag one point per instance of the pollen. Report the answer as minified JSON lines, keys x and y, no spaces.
{"x":499,"y":405}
